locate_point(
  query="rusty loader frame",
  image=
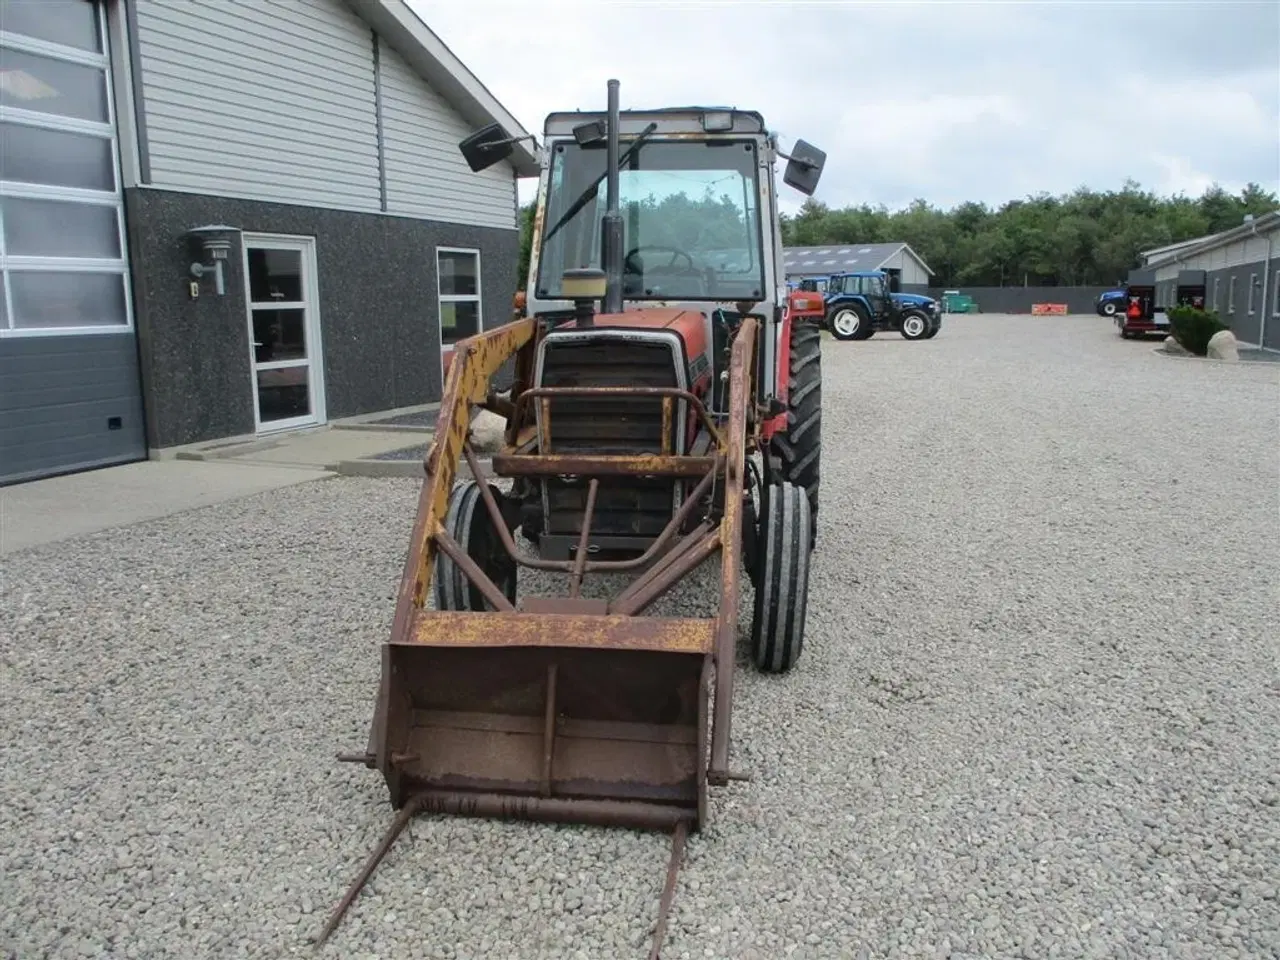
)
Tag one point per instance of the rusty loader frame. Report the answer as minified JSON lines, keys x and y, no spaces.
{"x":566,"y":708}
{"x":662,"y":783}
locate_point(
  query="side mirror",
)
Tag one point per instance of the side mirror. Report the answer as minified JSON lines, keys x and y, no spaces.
{"x":593,"y":131}
{"x":804,"y":167}
{"x":486,"y":147}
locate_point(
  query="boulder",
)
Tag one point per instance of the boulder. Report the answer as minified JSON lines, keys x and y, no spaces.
{"x":486,"y":431}
{"x":1222,"y":346}
{"x":1174,"y":347}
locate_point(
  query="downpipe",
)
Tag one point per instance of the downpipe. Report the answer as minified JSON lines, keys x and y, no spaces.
{"x":1267,"y":305}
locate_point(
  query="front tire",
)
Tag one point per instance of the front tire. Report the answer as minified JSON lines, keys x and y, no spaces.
{"x":782,"y":591}
{"x":934,"y":326}
{"x":800,"y":448}
{"x":915,"y":326}
{"x":469,"y":523}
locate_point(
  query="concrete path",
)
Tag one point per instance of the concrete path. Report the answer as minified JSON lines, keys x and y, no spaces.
{"x":58,"y":508}
{"x":324,"y":449}
{"x":46,"y":511}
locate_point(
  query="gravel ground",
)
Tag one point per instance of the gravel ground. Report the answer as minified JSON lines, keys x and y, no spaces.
{"x":416,"y":452}
{"x":1036,"y":715}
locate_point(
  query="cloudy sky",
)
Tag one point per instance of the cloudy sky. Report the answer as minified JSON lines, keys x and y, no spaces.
{"x":949,"y":101}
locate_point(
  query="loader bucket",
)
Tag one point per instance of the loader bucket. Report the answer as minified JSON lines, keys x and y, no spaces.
{"x":542,"y":716}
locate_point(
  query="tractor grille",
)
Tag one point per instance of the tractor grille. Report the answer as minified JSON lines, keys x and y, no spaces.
{"x":614,"y":425}
{"x":625,"y":507}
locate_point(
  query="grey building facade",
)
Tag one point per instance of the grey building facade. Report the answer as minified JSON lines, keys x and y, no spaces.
{"x":1241,"y":274}
{"x":230,"y":217}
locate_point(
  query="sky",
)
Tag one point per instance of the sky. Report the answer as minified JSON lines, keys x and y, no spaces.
{"x":944,"y":101}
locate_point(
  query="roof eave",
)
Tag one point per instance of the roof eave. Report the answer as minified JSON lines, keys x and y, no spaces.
{"x":1216,"y":240}
{"x":426,"y":53}
{"x":918,"y":259}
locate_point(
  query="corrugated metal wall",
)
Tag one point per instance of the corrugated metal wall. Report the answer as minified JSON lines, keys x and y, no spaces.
{"x":278,"y":102}
{"x":426,"y":175}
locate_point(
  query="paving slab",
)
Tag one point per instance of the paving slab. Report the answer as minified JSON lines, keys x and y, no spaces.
{"x":58,"y":508}
{"x":321,"y":449}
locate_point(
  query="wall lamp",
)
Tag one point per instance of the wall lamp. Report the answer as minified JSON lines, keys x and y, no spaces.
{"x":213,"y":242}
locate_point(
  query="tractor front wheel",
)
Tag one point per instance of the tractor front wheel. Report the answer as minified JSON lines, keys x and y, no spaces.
{"x":915,"y":326}
{"x":782,"y":586}
{"x":934,"y":326}
{"x":799,"y":447}
{"x":469,"y":523}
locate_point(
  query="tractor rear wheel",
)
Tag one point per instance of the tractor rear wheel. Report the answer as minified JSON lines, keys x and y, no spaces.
{"x":782,"y":588}
{"x":849,"y":323}
{"x":469,"y":523}
{"x":799,"y":448}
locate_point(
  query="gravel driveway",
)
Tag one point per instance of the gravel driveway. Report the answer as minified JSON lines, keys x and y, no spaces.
{"x":1036,"y":715}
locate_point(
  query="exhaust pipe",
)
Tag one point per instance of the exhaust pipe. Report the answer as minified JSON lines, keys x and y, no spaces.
{"x":611,"y":234}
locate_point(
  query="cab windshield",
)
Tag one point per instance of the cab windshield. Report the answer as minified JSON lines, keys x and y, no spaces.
{"x":690,"y":215}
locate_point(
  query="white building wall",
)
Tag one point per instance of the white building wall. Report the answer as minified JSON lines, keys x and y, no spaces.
{"x":279,"y":102}
{"x":269,"y":102}
{"x":426,"y":174}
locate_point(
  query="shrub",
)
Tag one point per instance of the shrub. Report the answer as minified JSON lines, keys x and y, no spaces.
{"x":1194,"y":328}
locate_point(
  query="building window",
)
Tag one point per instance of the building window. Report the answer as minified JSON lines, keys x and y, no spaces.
{"x":459,"y":293}
{"x":62,"y":246}
{"x":1217,"y":287}
{"x":1253,"y":282}
{"x":1275,"y":306}
{"x":1231,"y":295}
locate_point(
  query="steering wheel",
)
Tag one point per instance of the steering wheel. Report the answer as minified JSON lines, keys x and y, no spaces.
{"x":674,"y":251}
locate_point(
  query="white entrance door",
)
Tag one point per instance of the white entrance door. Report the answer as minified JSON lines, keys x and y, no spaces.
{"x":284,"y":331}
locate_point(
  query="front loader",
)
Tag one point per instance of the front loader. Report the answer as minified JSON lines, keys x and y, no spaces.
{"x":665,"y":410}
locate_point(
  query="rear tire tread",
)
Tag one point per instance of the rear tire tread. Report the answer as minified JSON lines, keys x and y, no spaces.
{"x":799,"y":448}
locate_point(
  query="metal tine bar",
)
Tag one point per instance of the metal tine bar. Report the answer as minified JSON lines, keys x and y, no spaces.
{"x":545,"y":393}
{"x":740,"y":370}
{"x":666,"y":425}
{"x":668,"y":578}
{"x":549,"y":730}
{"x":477,"y":576}
{"x":544,"y":442}
{"x":580,"y":561}
{"x":668,"y":890}
{"x":599,"y":566}
{"x":694,"y":537}
{"x":397,"y":826}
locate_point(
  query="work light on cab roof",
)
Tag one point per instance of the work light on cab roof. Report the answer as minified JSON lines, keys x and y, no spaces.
{"x":664,"y":411}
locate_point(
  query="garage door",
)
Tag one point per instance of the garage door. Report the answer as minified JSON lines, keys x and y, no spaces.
{"x":70,"y":394}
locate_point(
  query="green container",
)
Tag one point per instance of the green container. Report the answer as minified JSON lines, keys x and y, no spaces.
{"x":953,"y":301}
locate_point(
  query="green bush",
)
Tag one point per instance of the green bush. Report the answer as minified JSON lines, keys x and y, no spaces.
{"x":1194,"y":328}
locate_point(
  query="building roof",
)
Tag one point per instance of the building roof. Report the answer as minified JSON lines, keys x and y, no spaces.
{"x":1159,"y":252}
{"x":1265,"y":222}
{"x":843,"y":258}
{"x":426,"y":53}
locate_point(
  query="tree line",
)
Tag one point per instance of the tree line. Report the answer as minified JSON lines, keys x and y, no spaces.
{"x":1083,"y":238}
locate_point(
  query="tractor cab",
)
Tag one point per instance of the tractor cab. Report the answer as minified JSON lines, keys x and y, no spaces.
{"x":873,"y":286}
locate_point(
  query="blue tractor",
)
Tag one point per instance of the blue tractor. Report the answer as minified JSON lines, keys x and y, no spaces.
{"x":1111,"y":302}
{"x":860,"y":304}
